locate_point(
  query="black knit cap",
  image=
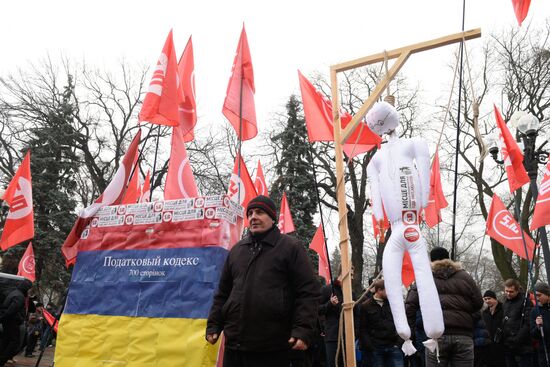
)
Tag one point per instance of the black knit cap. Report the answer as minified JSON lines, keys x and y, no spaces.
{"x":490,"y":293}
{"x":265,"y":203}
{"x":542,"y":288}
{"x":439,"y":253}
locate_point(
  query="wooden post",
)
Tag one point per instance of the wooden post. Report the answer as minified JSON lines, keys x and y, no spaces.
{"x":341,"y":136}
{"x":343,"y":228}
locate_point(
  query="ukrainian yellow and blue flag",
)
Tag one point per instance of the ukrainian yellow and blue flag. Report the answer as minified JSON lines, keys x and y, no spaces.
{"x":143,"y":284}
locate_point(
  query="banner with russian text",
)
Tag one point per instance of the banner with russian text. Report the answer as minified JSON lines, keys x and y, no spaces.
{"x":143,"y":284}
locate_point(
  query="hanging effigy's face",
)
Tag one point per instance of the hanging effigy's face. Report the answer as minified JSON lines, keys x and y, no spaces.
{"x":382,"y":118}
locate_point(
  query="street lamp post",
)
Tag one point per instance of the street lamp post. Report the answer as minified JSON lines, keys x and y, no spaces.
{"x":527,"y":126}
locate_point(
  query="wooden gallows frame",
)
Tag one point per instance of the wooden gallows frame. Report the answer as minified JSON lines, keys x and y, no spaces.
{"x":341,"y":136}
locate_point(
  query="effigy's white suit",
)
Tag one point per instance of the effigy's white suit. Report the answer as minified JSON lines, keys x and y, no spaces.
{"x":399,"y":175}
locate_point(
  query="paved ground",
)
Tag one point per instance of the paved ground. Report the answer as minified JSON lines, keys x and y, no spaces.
{"x":46,"y":361}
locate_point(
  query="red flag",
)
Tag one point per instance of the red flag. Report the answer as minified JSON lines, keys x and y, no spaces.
{"x":512,"y":156}
{"x":376,"y":225}
{"x":26,"y":265}
{"x":436,"y":201}
{"x":286,"y":224}
{"x":146,"y":189}
{"x":502,"y":227}
{"x":180,"y":182}
{"x":133,"y":191}
{"x":187,"y":106}
{"x":259,"y":181}
{"x":221,"y":350}
{"x":318,"y":115}
{"x":318,"y":245}
{"x":407,"y":271}
{"x":160,"y":105}
{"x":521,"y":8}
{"x":240,"y":93}
{"x":19,"y":224}
{"x":541,"y":216}
{"x":50,"y":319}
{"x":241,"y":190}
{"x":113,"y":194}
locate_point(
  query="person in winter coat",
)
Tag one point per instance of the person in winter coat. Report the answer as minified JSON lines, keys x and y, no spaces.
{"x":267,"y":296}
{"x":492,"y":316}
{"x":540,"y":323}
{"x":515,"y":326}
{"x":377,"y":332}
{"x":460,"y":300}
{"x":12,"y":315}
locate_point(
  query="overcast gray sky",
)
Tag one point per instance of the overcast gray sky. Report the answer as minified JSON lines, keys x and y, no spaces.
{"x":283,"y":35}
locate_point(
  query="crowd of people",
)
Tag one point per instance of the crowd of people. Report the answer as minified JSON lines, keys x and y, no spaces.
{"x":274,"y":311}
{"x":24,"y":327}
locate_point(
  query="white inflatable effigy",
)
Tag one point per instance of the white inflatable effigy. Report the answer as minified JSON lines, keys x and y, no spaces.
{"x":399,"y":175}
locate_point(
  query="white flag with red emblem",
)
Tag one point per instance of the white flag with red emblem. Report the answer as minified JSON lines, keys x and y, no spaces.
{"x":26,"y":265}
{"x":180,"y":183}
{"x":503,"y":228}
{"x":318,"y":245}
{"x":259,"y":181}
{"x":19,"y":225}
{"x":113,"y":194}
{"x":541,"y":216}
{"x":286,"y":224}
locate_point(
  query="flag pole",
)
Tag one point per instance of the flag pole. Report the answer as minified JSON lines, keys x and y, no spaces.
{"x":320,"y":207}
{"x":154,"y":165}
{"x":453,"y":240}
{"x":240,"y":137}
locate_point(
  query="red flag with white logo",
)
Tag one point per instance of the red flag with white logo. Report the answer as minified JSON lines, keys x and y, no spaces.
{"x":503,"y":228}
{"x":512,"y":156}
{"x":259,"y":181}
{"x":541,"y":216}
{"x":318,"y":115}
{"x":521,"y":8}
{"x":146,"y":189}
{"x":286,"y":224}
{"x":238,"y":106}
{"x":26,"y":264}
{"x":180,"y":182}
{"x":187,"y":106}
{"x":436,"y":201}
{"x":113,"y":194}
{"x":160,"y":105}
{"x":241,"y":189}
{"x":19,"y":224}
{"x":318,"y":245}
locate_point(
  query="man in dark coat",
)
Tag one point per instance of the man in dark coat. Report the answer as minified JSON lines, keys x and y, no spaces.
{"x":540,"y":323}
{"x":377,"y":330}
{"x":267,"y":297}
{"x":460,"y":300}
{"x":492,"y":316}
{"x":516,"y":338}
{"x":12,"y":315}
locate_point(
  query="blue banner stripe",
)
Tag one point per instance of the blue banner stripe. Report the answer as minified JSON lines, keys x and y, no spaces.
{"x":174,"y":283}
